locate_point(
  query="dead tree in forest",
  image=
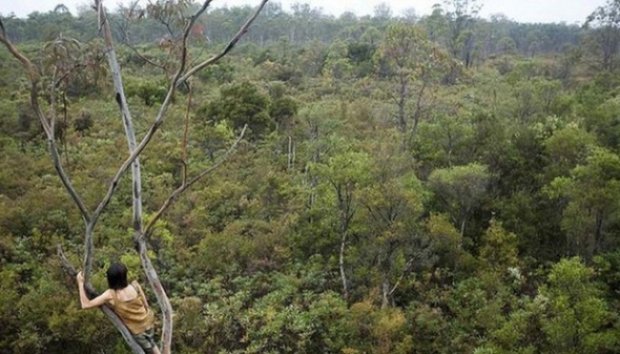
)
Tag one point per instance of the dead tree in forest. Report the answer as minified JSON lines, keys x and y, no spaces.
{"x":90,"y":217}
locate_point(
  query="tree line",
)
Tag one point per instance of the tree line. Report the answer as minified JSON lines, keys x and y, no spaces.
{"x":403,"y":185}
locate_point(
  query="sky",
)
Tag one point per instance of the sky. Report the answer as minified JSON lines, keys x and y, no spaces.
{"x":569,"y":11}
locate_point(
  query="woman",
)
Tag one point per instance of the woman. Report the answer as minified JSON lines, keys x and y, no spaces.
{"x":128,"y":302}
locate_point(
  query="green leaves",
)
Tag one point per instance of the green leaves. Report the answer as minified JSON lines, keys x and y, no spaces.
{"x":577,"y":314}
{"x":461,"y":188}
{"x":450,"y":226}
{"x":592,"y":192}
{"x":499,"y":248}
{"x":240,"y":104}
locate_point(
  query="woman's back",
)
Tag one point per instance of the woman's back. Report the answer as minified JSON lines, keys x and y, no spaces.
{"x":131,"y":308}
{"x":128,"y":293}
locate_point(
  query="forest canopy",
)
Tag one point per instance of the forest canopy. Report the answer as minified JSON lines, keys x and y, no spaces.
{"x":376,"y":184}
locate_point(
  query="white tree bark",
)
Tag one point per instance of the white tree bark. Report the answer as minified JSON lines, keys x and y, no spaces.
{"x":135,"y":149}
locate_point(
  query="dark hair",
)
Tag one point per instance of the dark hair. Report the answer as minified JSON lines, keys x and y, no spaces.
{"x":117,"y":276}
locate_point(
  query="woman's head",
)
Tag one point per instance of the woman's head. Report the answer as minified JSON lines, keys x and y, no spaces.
{"x":117,"y":276}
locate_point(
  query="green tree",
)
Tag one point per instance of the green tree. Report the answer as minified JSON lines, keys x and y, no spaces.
{"x":344,"y":171}
{"x":461,"y":189}
{"x":499,"y":248}
{"x":240,"y":104}
{"x":567,"y":148}
{"x":414,"y":66}
{"x":393,"y":204}
{"x":461,"y":15}
{"x":592,"y":192}
{"x":577,"y":317}
{"x":605,"y":34}
{"x":337,"y":62}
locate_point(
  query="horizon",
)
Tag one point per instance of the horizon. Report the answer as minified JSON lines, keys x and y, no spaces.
{"x":523,"y":11}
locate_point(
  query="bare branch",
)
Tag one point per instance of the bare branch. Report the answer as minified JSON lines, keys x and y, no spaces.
{"x":113,"y":317}
{"x":126,"y":42}
{"x":185,"y":135}
{"x":407,"y":269}
{"x":132,"y":160}
{"x":172,"y":198}
{"x":135,"y":151}
{"x":143,"y":57}
{"x":104,"y":28}
{"x":53,"y":106}
{"x":31,"y":70}
{"x":121,"y":99}
{"x":228,"y":47}
{"x":149,"y":135}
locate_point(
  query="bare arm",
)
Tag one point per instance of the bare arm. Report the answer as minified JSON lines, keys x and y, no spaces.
{"x":85,"y":301}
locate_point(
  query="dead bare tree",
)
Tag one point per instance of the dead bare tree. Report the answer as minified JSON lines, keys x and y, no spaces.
{"x":90,"y":218}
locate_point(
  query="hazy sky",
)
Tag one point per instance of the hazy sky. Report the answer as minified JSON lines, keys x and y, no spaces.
{"x":570,"y":11}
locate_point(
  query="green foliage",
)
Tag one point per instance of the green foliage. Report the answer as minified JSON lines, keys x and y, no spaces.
{"x":221,"y":73}
{"x":452,"y":225}
{"x":461,"y":188}
{"x":567,"y":148}
{"x":499,"y":248}
{"x":150,"y":92}
{"x":240,"y":104}
{"x":282,"y":110}
{"x":592,"y":191}
{"x":577,"y":316}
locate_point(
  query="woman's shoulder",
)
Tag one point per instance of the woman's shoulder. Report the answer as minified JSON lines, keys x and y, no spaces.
{"x":108,"y":295}
{"x":136,"y":285}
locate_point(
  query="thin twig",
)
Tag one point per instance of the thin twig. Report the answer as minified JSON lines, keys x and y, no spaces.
{"x":174,"y":195}
{"x":144,"y":58}
{"x":127,"y":43}
{"x":228,"y":47}
{"x":407,"y":269}
{"x":185,"y":135}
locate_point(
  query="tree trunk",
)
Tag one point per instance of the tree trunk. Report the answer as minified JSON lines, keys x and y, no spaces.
{"x":418,"y":111}
{"x":598,"y":235}
{"x":343,"y":276}
{"x":402,"y":101}
{"x":290,"y":153}
{"x":385,"y":290}
{"x":132,"y":161}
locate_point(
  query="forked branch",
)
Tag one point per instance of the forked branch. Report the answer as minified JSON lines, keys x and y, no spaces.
{"x":135,"y":149}
{"x":233,"y":42}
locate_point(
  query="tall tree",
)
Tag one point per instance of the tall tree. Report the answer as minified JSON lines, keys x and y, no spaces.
{"x":345,"y":171}
{"x":591,"y":192}
{"x":461,"y":16}
{"x":461,"y":188}
{"x":414,"y":66}
{"x":393,"y":206}
{"x":90,"y":218}
{"x":605,"y":23}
